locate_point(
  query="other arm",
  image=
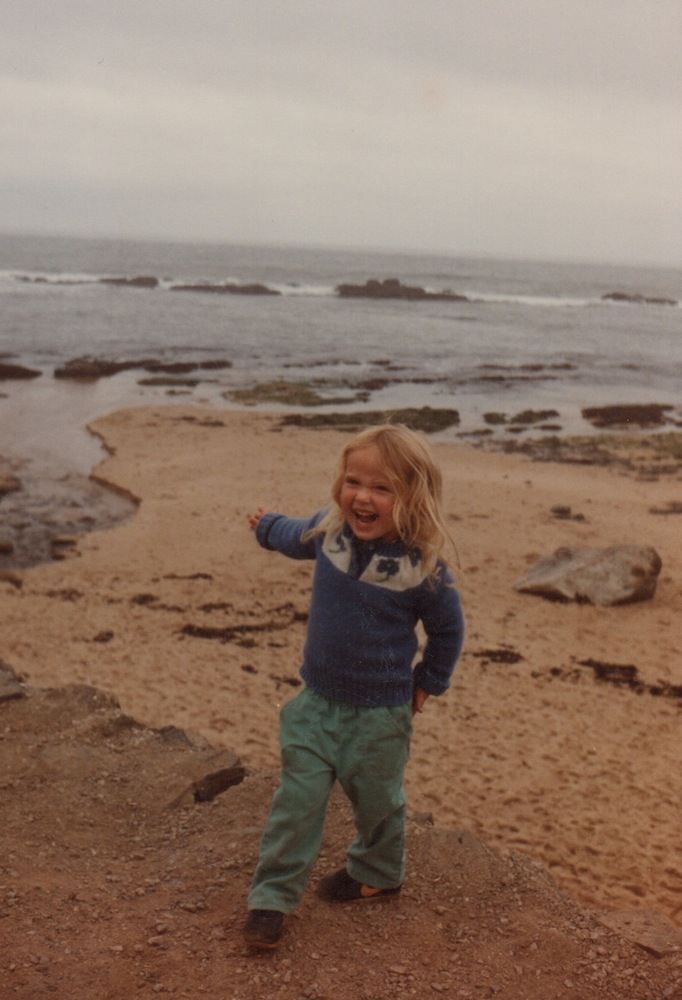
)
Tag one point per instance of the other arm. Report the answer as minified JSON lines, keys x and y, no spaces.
{"x":444,"y":626}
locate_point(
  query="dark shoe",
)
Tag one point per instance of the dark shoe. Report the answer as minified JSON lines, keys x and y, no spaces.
{"x":263,"y":928}
{"x":341,"y":888}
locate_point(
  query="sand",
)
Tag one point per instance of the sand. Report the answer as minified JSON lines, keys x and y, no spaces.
{"x":181,"y":615}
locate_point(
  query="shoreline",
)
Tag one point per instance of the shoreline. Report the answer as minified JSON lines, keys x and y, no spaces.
{"x":49,"y":415}
{"x":187,"y":622}
{"x":45,"y":430}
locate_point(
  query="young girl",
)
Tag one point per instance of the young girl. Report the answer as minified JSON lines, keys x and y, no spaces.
{"x":378,"y":573}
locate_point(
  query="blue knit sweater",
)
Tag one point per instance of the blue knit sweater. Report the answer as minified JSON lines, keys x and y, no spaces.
{"x":367,"y":599}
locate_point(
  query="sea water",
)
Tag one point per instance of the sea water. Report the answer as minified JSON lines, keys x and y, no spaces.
{"x":525,"y":335}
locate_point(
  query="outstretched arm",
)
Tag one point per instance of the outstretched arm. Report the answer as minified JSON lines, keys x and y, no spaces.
{"x":287,"y":535}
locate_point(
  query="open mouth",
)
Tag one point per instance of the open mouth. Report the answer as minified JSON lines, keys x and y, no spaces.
{"x":363,"y":517}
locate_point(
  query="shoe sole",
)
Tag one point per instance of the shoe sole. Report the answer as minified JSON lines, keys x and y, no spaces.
{"x":259,"y":943}
{"x":378,"y":897}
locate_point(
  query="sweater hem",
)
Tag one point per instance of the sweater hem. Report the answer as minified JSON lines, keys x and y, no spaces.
{"x":359,"y":698}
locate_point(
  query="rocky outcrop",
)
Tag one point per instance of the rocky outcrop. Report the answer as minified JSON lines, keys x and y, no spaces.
{"x":8,"y":372}
{"x":129,"y":854}
{"x":94,"y":368}
{"x":230,"y":288}
{"x":142,"y":281}
{"x":43,"y":516}
{"x":627,"y":414}
{"x":9,"y":483}
{"x":425,"y":419}
{"x":620,"y":574}
{"x":91,"y":368}
{"x":637,"y":299}
{"x":392,"y":288}
{"x":139,"y":281}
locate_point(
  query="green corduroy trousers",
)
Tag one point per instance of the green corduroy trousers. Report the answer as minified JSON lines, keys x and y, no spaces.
{"x":366,"y":750}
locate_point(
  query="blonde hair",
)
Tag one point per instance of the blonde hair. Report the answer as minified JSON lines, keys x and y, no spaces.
{"x":417,"y":483}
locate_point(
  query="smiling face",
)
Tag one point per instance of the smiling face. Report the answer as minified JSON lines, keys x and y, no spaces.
{"x":367,"y":497}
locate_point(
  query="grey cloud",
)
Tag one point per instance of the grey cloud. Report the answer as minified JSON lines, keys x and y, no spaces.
{"x":481,"y":126}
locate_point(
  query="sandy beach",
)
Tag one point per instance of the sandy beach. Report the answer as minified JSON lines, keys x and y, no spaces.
{"x":189,"y":623}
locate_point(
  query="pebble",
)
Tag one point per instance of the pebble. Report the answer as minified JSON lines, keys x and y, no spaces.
{"x":193,"y":907}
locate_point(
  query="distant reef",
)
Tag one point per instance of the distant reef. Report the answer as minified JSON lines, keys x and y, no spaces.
{"x":392,"y":288}
{"x":94,"y":368}
{"x":229,"y":288}
{"x":140,"y":281}
{"x":638,"y":299}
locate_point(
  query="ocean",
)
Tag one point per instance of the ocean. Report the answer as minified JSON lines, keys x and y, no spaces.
{"x":524,"y":336}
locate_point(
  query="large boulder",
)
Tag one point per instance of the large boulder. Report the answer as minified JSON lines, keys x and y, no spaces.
{"x":620,"y":574}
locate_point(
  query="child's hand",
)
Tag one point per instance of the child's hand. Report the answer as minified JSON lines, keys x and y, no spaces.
{"x":255,"y":518}
{"x":418,"y":700}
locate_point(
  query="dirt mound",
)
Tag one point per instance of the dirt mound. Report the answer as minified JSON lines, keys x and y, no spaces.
{"x":126,"y":855}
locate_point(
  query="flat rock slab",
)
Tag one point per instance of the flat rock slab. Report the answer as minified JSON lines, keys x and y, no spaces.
{"x":102,"y":883}
{"x":619,"y":574}
{"x":647,"y":928}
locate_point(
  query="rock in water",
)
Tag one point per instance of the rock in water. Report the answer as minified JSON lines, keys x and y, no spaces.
{"x":620,"y":574}
{"x":8,"y":483}
{"x":392,"y":288}
{"x":627,"y":415}
{"x":16,"y":372}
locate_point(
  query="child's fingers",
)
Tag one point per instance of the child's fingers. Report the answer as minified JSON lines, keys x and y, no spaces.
{"x":255,"y":518}
{"x":418,"y":700}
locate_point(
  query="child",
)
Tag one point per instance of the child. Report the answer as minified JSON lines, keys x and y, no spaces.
{"x":378,"y":572}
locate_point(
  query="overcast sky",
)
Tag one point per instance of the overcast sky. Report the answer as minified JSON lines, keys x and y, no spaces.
{"x":541,"y":128}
